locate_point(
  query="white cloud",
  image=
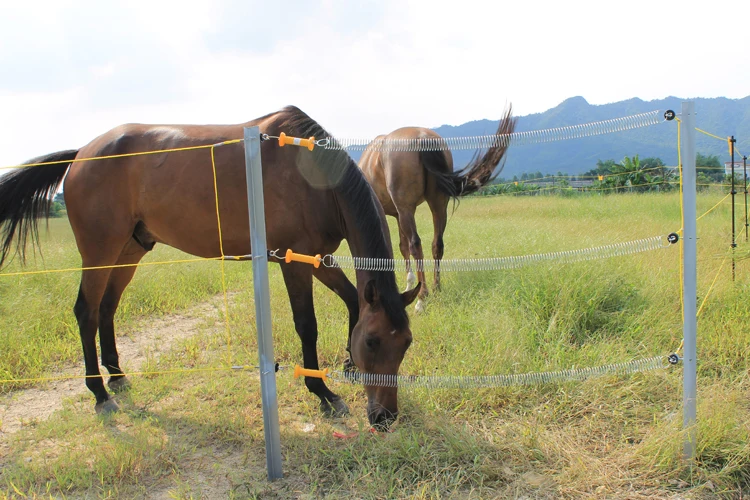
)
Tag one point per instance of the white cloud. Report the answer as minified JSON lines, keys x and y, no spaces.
{"x":72,"y":70}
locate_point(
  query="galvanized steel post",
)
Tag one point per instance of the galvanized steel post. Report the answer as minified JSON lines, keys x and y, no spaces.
{"x":689,"y":286}
{"x":262,"y":302}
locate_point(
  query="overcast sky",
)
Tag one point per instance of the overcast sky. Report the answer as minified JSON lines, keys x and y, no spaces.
{"x":71,"y":70}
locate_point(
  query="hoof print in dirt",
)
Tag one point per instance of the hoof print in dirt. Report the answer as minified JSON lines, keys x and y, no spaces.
{"x":119,"y":384}
{"x":334,"y":408}
{"x":108,"y":407}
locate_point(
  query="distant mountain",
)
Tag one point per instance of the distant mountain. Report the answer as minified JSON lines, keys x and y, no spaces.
{"x":719,"y":116}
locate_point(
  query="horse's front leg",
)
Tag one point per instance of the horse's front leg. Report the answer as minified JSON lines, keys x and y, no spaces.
{"x":335,"y":279}
{"x":298,"y":280}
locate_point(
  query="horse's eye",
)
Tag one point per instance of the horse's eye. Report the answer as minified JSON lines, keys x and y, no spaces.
{"x":372,"y":343}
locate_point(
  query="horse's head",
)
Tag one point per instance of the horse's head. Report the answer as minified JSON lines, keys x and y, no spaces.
{"x":377,"y":346}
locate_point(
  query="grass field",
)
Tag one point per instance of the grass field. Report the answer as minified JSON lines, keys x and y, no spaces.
{"x":199,"y":434}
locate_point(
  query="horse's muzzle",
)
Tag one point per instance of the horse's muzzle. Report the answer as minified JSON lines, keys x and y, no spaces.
{"x":381,"y":419}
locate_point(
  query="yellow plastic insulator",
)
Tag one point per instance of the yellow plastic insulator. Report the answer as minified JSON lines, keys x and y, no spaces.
{"x":298,"y":257}
{"x":601,"y":177}
{"x":296,"y":141}
{"x":308,"y":372}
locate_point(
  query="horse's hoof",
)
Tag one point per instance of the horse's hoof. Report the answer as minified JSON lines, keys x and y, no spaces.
{"x":419,"y":308}
{"x":334,"y":408}
{"x":107,"y":407}
{"x":119,"y":384}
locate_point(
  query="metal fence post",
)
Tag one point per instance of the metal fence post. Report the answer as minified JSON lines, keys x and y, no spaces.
{"x":262,"y":302}
{"x":690,"y":294}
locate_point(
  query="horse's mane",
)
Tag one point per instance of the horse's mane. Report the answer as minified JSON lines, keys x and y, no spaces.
{"x":351,"y":187}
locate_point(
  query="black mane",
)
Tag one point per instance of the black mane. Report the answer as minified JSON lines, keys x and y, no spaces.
{"x":350,"y":185}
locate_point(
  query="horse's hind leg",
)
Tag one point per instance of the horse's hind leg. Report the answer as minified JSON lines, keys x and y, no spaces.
{"x":118,"y":280}
{"x":408,"y":225}
{"x":403,"y":246}
{"x":439,"y":209}
{"x":93,"y":284}
{"x":100,"y":244}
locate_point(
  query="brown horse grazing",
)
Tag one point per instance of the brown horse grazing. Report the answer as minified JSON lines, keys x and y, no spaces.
{"x":120,"y":208}
{"x":402,"y":180}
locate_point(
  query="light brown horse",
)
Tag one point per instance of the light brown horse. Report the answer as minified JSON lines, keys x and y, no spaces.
{"x":120,"y":208}
{"x":402,"y":180}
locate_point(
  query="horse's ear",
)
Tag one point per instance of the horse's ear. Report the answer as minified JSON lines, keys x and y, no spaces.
{"x":371,"y":293}
{"x":408,"y":296}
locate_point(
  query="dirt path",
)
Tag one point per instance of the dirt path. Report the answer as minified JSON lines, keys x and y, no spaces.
{"x":148,"y":340}
{"x":207,"y":471}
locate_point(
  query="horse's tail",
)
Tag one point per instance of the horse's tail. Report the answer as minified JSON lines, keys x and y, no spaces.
{"x":25,"y":196}
{"x":436,"y":164}
{"x":480,"y":171}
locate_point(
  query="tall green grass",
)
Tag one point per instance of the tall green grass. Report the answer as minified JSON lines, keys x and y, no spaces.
{"x":38,"y":331}
{"x":606,"y":437}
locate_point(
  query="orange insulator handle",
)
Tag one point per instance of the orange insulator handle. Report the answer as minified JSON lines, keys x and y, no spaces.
{"x":308,"y":372}
{"x":298,"y":257}
{"x":296,"y":141}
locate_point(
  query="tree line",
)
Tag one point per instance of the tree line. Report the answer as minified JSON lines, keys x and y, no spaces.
{"x":631,"y":174}
{"x":57,"y":207}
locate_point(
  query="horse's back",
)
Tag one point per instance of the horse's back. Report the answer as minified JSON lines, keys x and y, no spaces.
{"x":404,"y":173}
{"x":412,"y":133}
{"x":173,"y":193}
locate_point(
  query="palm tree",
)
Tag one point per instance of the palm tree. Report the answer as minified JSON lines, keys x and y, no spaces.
{"x":634,"y":174}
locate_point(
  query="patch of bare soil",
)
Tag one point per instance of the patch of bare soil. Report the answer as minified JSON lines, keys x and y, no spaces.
{"x":207,"y":472}
{"x":146,"y":340}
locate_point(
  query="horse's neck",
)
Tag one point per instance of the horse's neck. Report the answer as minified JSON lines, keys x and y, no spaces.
{"x":358,"y":242}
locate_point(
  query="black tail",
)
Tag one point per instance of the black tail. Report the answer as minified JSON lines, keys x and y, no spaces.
{"x":436,"y":165}
{"x":481,"y":170}
{"x":25,"y":196}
